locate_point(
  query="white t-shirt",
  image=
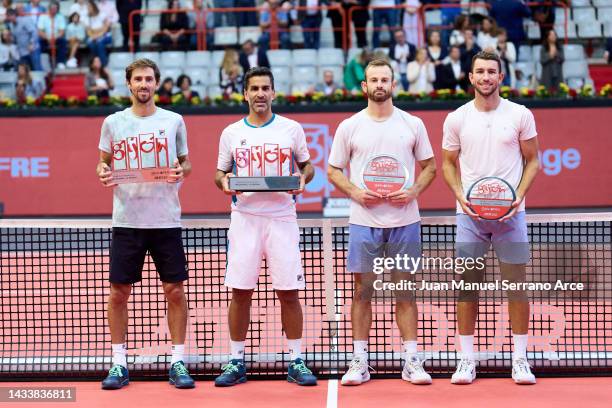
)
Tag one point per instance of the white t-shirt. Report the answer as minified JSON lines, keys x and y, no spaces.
{"x":359,"y":138}
{"x":263,"y":151}
{"x":489,"y":142}
{"x":145,"y":205}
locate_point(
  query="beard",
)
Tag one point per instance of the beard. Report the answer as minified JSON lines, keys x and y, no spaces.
{"x":141,"y":99}
{"x":494,"y":89}
{"x":373,"y":96}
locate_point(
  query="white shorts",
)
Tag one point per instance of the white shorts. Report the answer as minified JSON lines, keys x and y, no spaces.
{"x":250,"y":237}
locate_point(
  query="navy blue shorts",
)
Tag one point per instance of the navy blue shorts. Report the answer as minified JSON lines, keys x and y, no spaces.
{"x":129,"y":248}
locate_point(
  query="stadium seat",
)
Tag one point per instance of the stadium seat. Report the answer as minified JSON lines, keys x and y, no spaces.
{"x":120,"y":60}
{"x":533,"y":30}
{"x":45,"y":62}
{"x":213,"y":91}
{"x":249,"y":33}
{"x":527,"y":68}
{"x":575,"y":83}
{"x":433,"y":17}
{"x":602,"y":3}
{"x":279,"y":58}
{"x":118,"y":76}
{"x":149,"y":27}
{"x":304,"y":57}
{"x":296,"y":36}
{"x":8,"y":78}
{"x":152,"y":55}
{"x":201,"y":76}
{"x":352,"y":52}
{"x":38,"y":76}
{"x":117,"y":35}
{"x":226,"y":36}
{"x":173,"y":59}
{"x":382,"y":50}
{"x":604,"y":14}
{"x":608,"y":29}
{"x":281,"y":74}
{"x":302,"y":87}
{"x":198,"y":58}
{"x":305,"y":74}
{"x":580,"y":3}
{"x":338,"y":71}
{"x":583,"y":15}
{"x":282,"y":87}
{"x":573,"y":52}
{"x":171,"y":72}
{"x":535,"y":52}
{"x":330,"y":56}
{"x":560,"y":15}
{"x":525,"y":54}
{"x":575,"y":69}
{"x":327,"y":34}
{"x":217,"y":58}
{"x":120,"y":90}
{"x":591,"y":29}
{"x":571,"y":30}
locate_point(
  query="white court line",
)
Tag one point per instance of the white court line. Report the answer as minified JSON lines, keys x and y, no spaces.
{"x":332,"y":394}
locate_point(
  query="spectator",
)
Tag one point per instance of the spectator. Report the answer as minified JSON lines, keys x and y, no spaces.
{"x":411,"y":22}
{"x":200,"y":20}
{"x":475,"y":11}
{"x":25,"y":34}
{"x":509,"y":15}
{"x":282,"y":20}
{"x":328,"y":86}
{"x":183,"y":82}
{"x":81,"y":7}
{"x":124,"y":8}
{"x":166,"y":88}
{"x":354,"y":71}
{"x":51,"y":34}
{"x":551,"y":58}
{"x":507,"y":53}
{"x":462,"y":23}
{"x":109,"y":9}
{"x":450,"y":75}
{"x":487,"y":36}
{"x":252,"y":56}
{"x":34,"y":10}
{"x":224,"y":19}
{"x":9,"y":56}
{"x":436,"y":51}
{"x":33,"y":88}
{"x":544,"y":15}
{"x":246,"y":18}
{"x":335,"y":16}
{"x":230,"y":73}
{"x":174,"y":26}
{"x":382,"y":16}
{"x":402,"y":52}
{"x":4,"y":6}
{"x":421,"y":73}
{"x":608,"y":51}
{"x":20,"y":92}
{"x":310,"y":19}
{"x":468,"y":50}
{"x":98,"y":33}
{"x":98,"y":81}
{"x":75,"y":34}
{"x":360,"y":19}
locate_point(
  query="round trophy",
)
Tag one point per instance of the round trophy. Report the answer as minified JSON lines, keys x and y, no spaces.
{"x":384,"y":174}
{"x":491,"y":198}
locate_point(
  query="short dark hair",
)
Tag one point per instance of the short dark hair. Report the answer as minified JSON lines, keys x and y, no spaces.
{"x":255,"y":72}
{"x":488,"y":56}
{"x":379,"y":62}
{"x":142,"y":63}
{"x":181,"y":78}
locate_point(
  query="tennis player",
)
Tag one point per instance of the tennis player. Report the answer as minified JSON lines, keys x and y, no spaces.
{"x":146,"y":216}
{"x":263,"y":223}
{"x":491,"y":136}
{"x":382,"y":225}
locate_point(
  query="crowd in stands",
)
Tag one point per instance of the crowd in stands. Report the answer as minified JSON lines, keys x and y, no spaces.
{"x":83,"y":36}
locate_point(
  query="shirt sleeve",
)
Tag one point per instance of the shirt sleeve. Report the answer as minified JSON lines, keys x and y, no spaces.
{"x":301,"y":147}
{"x":528,"y":126}
{"x":181,"y":139}
{"x":422,"y":148}
{"x":339,"y":156}
{"x":106,"y":136}
{"x":225,"y":160}
{"x":450,"y":134}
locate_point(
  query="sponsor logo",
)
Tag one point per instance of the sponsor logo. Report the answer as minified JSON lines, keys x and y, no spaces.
{"x":25,"y":167}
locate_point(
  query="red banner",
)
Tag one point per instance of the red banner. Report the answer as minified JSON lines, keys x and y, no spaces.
{"x":47,"y":165}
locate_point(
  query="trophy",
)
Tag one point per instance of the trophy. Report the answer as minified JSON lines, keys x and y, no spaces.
{"x":141,"y":159}
{"x":491,"y":198}
{"x":263,"y":168}
{"x":384,"y":174}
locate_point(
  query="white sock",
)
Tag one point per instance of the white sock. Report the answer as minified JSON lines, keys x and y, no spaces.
{"x":520,"y":346}
{"x":120,"y":354}
{"x":467,"y":346}
{"x":360,"y":349}
{"x":237,"y":348}
{"x":177,"y":353}
{"x":410,"y":349}
{"x":295,"y":348}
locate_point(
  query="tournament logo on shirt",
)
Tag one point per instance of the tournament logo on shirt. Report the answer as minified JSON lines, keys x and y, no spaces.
{"x":140,"y":159}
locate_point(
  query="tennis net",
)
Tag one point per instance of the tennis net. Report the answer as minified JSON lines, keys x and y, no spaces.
{"x":53,"y":278}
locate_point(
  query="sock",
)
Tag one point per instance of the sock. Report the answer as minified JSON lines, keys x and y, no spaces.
{"x":237,"y":348}
{"x":360,"y":349}
{"x":177,"y":353}
{"x":295,"y":348}
{"x":467,"y":346}
{"x":120,"y":354}
{"x":410,"y":349}
{"x":520,"y":346}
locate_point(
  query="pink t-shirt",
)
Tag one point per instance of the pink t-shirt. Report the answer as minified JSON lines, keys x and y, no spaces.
{"x":359,"y":138}
{"x":489,"y":142}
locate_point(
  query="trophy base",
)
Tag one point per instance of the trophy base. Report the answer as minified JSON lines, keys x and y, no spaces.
{"x":153,"y":175}
{"x":269,"y":183}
